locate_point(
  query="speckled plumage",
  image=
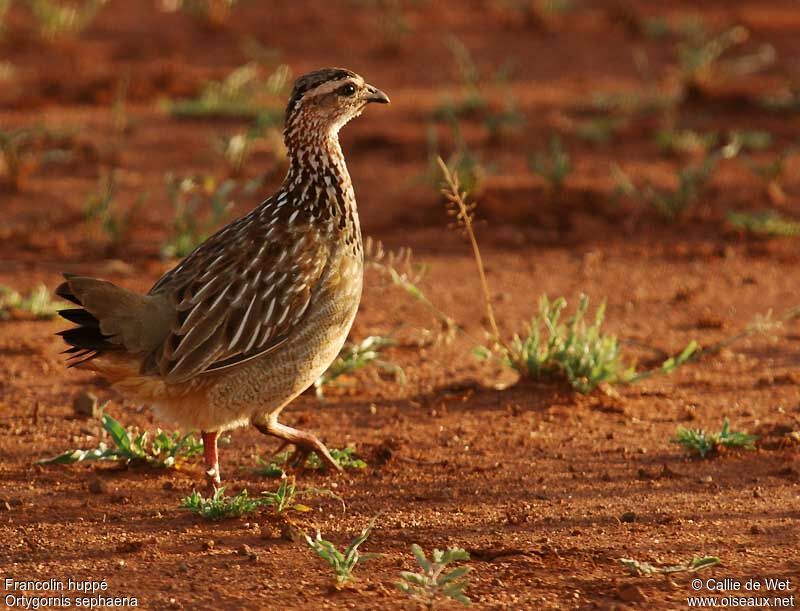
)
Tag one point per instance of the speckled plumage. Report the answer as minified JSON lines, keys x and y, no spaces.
{"x":257,"y":312}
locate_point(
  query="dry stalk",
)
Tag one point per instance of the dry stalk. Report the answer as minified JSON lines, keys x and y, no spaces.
{"x":463,"y":213}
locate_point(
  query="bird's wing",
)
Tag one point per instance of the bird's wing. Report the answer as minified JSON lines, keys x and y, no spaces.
{"x":240,"y":294}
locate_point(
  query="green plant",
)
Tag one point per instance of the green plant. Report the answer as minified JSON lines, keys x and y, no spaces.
{"x":471,"y":102}
{"x":355,"y":356}
{"x":214,"y":13}
{"x":599,"y":130}
{"x":264,"y":134}
{"x":698,"y":442}
{"x":434,"y":581}
{"x":343,"y":456}
{"x":4,"y":6}
{"x":685,"y":141}
{"x":772,"y":173}
{"x":342,"y":563}
{"x":101,"y":211}
{"x":400,"y":270}
{"x":57,"y":20}
{"x":283,"y":499}
{"x":243,"y":93}
{"x":671,"y":203}
{"x":697,"y":563}
{"x":189,"y":229}
{"x":576,"y":351}
{"x":218,"y":506}
{"x":769,"y":223}
{"x":163,"y":450}
{"x":38,"y":302}
{"x":463,"y":162}
{"x":16,"y":148}
{"x":700,"y":56}
{"x":554,"y":165}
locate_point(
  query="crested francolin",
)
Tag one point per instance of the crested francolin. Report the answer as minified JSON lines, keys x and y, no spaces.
{"x":256,"y":313}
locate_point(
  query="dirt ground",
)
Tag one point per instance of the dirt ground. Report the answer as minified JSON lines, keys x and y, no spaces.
{"x":532,"y":479}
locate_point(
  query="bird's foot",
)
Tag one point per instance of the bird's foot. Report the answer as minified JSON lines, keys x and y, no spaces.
{"x":211,"y":459}
{"x":304,"y":444}
{"x":212,"y":481}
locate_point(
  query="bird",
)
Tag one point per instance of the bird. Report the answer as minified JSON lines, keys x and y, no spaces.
{"x":258,"y":311}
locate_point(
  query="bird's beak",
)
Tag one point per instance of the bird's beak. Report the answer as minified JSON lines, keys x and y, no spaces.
{"x":376,"y":95}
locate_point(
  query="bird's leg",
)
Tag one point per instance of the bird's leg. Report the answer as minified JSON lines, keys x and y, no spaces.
{"x":211,"y":460}
{"x":303,"y":442}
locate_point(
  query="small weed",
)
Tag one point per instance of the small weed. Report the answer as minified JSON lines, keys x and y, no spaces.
{"x":38,"y":302}
{"x":472,"y":102}
{"x":769,"y":223}
{"x":264,"y":134}
{"x":4,"y":6}
{"x":697,"y":563}
{"x":398,"y":267}
{"x":772,"y":174}
{"x":214,"y":13}
{"x":542,"y":14}
{"x":57,"y":20}
{"x":576,"y":351}
{"x":187,"y":196}
{"x":218,"y":506}
{"x":671,"y":203}
{"x":355,"y":356}
{"x":554,"y":165}
{"x":17,"y":149}
{"x":599,"y":130}
{"x":342,"y":563}
{"x":434,"y":581}
{"x":284,"y":499}
{"x":243,"y":93}
{"x":700,"y":56}
{"x":703,"y":444}
{"x":685,"y":141}
{"x":343,"y":456}
{"x":101,"y":211}
{"x":164,"y":450}
{"x":463,"y":162}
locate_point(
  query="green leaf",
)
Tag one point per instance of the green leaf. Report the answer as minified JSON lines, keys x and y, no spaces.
{"x":118,"y":434}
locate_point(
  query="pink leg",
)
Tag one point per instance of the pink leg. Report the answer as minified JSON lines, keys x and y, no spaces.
{"x":211,"y":459}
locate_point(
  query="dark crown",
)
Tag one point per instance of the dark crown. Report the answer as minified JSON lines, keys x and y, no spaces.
{"x":314,"y":79}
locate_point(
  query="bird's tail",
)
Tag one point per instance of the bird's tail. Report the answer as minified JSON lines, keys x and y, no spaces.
{"x":109,"y":318}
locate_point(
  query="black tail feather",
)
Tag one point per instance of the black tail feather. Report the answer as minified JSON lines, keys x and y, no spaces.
{"x":65,"y":292}
{"x":86,"y":341}
{"x":80,"y":317}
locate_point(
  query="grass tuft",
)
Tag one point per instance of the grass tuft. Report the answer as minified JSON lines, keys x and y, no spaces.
{"x":697,"y":563}
{"x":163,"y":450}
{"x":355,"y":356}
{"x":188,"y":196}
{"x":58,"y":20}
{"x":243,"y":93}
{"x":769,"y":223}
{"x":344,"y":456}
{"x":342,"y":563}
{"x":554,"y":165}
{"x":700,"y":443}
{"x":218,"y":506}
{"x":434,"y":581}
{"x":575,"y":350}
{"x":38,"y":303}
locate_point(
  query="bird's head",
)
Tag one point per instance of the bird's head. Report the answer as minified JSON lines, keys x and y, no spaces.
{"x":324,"y":100}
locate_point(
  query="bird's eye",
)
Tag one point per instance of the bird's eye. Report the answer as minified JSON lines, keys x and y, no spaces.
{"x":347,"y":90}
